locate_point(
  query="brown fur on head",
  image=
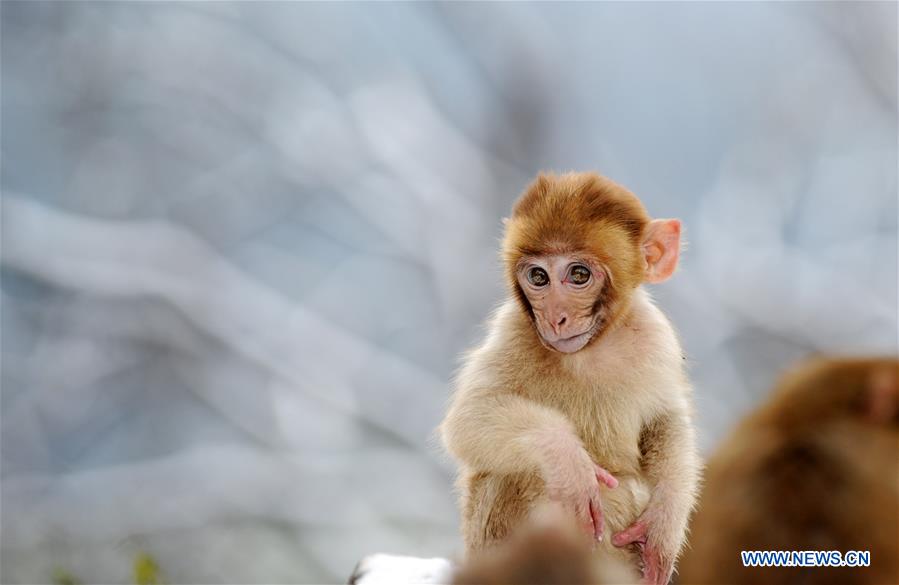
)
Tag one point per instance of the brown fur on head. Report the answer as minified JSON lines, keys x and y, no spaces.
{"x":587,"y":215}
{"x":823,"y":390}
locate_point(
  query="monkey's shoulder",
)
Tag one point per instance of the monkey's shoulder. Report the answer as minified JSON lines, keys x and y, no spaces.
{"x":644,"y":345}
{"x":510,"y":346}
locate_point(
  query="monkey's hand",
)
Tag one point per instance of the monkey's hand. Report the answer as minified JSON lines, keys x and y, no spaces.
{"x":657,"y":563}
{"x":574,"y":482}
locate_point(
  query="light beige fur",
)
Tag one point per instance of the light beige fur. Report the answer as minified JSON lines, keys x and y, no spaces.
{"x":521,"y":413}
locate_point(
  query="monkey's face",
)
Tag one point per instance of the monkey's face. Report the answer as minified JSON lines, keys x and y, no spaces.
{"x":576,"y":248}
{"x":564,"y":292}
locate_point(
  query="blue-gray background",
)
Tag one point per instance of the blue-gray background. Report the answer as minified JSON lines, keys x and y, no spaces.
{"x":243,"y":245}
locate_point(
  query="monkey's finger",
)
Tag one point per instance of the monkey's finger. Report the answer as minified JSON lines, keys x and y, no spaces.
{"x":598,"y":520}
{"x":636,"y":532}
{"x":651,"y":573}
{"x":584,"y":519}
{"x":606,"y":478}
{"x":654,"y":573}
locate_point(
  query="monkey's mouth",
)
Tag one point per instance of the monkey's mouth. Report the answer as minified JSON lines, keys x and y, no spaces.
{"x":573,"y":343}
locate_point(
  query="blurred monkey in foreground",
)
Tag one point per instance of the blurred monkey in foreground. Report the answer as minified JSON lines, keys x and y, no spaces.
{"x":548,"y":550}
{"x":815,"y":468}
{"x":578,"y":394}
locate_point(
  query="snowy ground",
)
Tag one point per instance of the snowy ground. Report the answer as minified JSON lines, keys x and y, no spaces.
{"x":382,"y":569}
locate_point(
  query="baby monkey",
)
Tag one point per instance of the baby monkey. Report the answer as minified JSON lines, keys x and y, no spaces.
{"x":578,"y":394}
{"x":816,"y":468}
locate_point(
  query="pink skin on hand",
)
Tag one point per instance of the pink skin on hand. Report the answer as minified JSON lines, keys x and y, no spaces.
{"x":583,"y":499}
{"x":655,"y":570}
{"x":573,"y":479}
{"x":598,"y":524}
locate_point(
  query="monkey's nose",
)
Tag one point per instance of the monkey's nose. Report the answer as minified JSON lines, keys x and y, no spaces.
{"x":557,"y":324}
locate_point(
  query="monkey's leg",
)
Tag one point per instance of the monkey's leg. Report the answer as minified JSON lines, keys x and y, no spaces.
{"x":494,"y":505}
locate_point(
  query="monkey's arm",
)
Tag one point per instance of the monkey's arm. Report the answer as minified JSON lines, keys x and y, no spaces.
{"x":506,"y":433}
{"x":672,"y":465}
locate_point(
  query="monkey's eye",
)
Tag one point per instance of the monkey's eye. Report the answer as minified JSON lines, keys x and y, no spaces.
{"x":578,"y":274}
{"x":538,"y":277}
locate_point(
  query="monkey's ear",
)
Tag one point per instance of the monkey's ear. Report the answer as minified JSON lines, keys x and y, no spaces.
{"x":661,"y":249}
{"x":883,"y":395}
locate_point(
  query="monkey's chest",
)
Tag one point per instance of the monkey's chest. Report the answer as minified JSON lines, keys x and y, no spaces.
{"x":610,"y":432}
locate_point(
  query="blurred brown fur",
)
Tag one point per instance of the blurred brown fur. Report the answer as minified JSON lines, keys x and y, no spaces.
{"x":815,"y":468}
{"x":550,"y":550}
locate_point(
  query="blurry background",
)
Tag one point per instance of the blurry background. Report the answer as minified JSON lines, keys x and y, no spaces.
{"x":243,"y":246}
